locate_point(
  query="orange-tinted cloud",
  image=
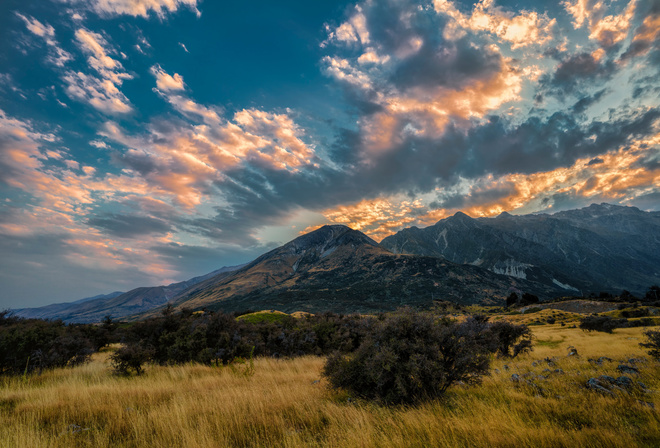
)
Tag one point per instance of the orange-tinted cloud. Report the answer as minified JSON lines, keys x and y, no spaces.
{"x":619,"y":176}
{"x":606,"y":30}
{"x":521,"y":30}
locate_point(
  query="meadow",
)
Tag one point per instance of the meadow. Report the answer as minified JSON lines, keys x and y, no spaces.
{"x":286,"y":403}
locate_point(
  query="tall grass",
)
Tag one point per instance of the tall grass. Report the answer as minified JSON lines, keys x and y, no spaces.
{"x":285,"y":403}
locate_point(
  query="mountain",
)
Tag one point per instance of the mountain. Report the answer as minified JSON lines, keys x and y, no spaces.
{"x":339,"y":269}
{"x":118,"y":304}
{"x":45,"y":312}
{"x":598,"y":248}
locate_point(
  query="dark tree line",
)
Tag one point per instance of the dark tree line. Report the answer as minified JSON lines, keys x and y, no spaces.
{"x":28,"y":345}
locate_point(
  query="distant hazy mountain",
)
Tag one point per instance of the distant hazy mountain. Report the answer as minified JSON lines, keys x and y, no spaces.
{"x":597,"y":248}
{"x":46,"y":312}
{"x":339,"y":269}
{"x":117,"y":304}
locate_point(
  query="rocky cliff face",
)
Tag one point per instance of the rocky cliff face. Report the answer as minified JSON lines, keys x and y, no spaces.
{"x":597,"y":248}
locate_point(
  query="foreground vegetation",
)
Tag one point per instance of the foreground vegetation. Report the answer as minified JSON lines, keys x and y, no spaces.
{"x":287,"y":403}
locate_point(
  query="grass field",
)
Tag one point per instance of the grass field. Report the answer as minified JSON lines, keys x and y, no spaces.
{"x":285,"y":403}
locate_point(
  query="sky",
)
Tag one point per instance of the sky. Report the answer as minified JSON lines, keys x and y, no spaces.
{"x":144,"y":142}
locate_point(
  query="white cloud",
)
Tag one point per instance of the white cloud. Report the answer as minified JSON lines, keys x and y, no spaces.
{"x":37,"y":27}
{"x":166,"y":82}
{"x":138,"y":8}
{"x":101,"y":92}
{"x":57,"y":55}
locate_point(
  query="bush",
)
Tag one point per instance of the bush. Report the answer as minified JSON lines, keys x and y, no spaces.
{"x":411,"y":356}
{"x":130,"y":357}
{"x":529,"y":299}
{"x":512,"y":300}
{"x":652,"y":342}
{"x":602,"y":323}
{"x":510,"y":340}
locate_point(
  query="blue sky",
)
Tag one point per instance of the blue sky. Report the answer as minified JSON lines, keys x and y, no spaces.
{"x":148,"y":141}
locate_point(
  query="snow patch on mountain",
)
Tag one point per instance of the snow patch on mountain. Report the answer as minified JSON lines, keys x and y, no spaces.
{"x":512,"y":268}
{"x":562,"y":285}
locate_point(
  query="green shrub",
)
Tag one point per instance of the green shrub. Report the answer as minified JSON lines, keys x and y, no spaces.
{"x":410,"y":356}
{"x":602,"y":323}
{"x":130,"y":358}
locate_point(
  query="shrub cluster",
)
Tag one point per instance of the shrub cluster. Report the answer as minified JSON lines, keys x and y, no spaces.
{"x":409,"y":356}
{"x":27,"y":345}
{"x":608,"y":324}
{"x":218,"y":338}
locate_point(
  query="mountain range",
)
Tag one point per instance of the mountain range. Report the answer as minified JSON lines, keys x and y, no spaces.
{"x":117,"y":304}
{"x":460,"y":259}
{"x":598,"y":248}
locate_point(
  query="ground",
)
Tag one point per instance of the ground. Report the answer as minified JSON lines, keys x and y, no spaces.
{"x":286,"y":403}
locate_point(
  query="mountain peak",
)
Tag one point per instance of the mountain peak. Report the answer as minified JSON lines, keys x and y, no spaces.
{"x":329,"y":236}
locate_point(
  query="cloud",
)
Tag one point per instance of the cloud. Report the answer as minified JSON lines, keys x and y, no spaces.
{"x":418,"y":81}
{"x":519,"y":30}
{"x":646,"y":36}
{"x":138,"y":8}
{"x":129,"y":226}
{"x":578,"y":71}
{"x":38,"y":28}
{"x":57,"y":55}
{"x":166,"y":82}
{"x":62,"y":230}
{"x":607,"y":30}
{"x":101,"y":94}
{"x":612,"y":29}
{"x":102,"y":91}
{"x":185,"y":161}
{"x":587,"y":101}
{"x":628,"y":175}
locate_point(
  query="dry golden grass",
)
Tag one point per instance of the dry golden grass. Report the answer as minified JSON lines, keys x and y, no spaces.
{"x":282,"y":405}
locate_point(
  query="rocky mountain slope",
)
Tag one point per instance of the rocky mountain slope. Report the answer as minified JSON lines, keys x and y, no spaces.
{"x":118,"y":305}
{"x":339,"y":269}
{"x":597,"y":248}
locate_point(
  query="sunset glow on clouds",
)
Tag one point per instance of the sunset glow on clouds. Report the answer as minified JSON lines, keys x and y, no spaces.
{"x":149,"y":141}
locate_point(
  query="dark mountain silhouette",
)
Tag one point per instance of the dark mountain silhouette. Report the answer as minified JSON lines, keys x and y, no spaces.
{"x":598,"y":248}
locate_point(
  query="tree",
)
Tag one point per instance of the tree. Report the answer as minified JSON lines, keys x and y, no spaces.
{"x":652,"y":294}
{"x":652,"y":342}
{"x":512,"y":299}
{"x":509,"y":339}
{"x":529,"y":299}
